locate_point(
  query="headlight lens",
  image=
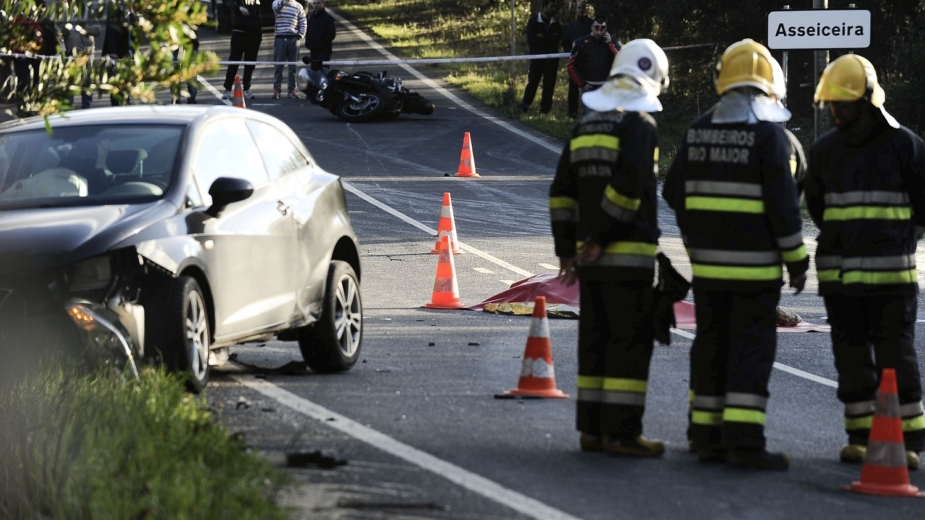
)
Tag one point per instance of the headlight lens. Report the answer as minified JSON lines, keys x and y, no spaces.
{"x":92,"y":274}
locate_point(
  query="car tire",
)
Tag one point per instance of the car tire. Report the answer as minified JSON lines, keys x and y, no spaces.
{"x":181,"y":331}
{"x":369,"y":107}
{"x":333,"y":343}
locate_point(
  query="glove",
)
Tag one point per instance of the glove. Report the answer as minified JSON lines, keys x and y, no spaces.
{"x":671,"y":287}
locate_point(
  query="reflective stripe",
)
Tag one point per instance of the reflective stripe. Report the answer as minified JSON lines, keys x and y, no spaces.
{"x":562,"y":203}
{"x":723,"y":188}
{"x":885,"y":455}
{"x":709,"y":402}
{"x":795,"y":255}
{"x":791,"y":241}
{"x":916,"y":423}
{"x":591,"y":396}
{"x":831,"y":275}
{"x":718,"y":256}
{"x":591,"y":382}
{"x":856,"y":198}
{"x":867,"y":213}
{"x":737,"y":273}
{"x":750,"y":400}
{"x":719,"y":204}
{"x":690,"y":396}
{"x":563,"y":215}
{"x":879,"y":262}
{"x":595,"y":154}
{"x":860,"y":408}
{"x":631,"y":248}
{"x":621,"y":200}
{"x":828,"y":262}
{"x":905,"y":410}
{"x":613,"y":384}
{"x":859,"y":423}
{"x":595,"y":147}
{"x":618,"y":213}
{"x":706,"y":418}
{"x":636,"y":261}
{"x":744,"y":416}
{"x":879,"y":278}
{"x":625,"y":398}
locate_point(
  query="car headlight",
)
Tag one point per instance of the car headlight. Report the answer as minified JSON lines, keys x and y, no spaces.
{"x":92,"y":274}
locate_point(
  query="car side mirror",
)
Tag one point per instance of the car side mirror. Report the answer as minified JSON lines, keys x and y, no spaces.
{"x":226,"y":190}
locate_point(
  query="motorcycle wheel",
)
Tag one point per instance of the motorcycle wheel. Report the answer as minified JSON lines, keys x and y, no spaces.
{"x":369,"y":107}
{"x":415,"y":104}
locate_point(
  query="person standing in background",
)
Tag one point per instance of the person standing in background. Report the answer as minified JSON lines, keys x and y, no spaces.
{"x":319,"y":38}
{"x":246,"y":37}
{"x":589,"y":64}
{"x":79,"y":37}
{"x":579,"y":28}
{"x":290,"y":29}
{"x":543,"y":36}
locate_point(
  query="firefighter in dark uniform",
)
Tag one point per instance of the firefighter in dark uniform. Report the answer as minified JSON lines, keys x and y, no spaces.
{"x":603,"y":210}
{"x":866,"y":192}
{"x":733,"y":191}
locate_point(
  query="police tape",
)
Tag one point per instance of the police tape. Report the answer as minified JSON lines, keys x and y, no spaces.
{"x":355,"y":63}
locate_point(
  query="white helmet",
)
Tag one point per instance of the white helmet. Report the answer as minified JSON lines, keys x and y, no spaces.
{"x":638,"y":75}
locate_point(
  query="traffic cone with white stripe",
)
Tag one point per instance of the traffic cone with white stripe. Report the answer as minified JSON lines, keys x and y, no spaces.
{"x":885,"y":472}
{"x":446,"y":227}
{"x":237,"y":96}
{"x":446,"y":290}
{"x":467,"y":159}
{"x":537,"y":375}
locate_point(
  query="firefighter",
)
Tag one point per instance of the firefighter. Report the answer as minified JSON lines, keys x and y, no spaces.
{"x":866,"y":192}
{"x":603,"y":210}
{"x":733,"y":192}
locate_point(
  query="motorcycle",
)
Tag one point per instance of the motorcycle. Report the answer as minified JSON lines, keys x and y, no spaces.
{"x":361,"y":96}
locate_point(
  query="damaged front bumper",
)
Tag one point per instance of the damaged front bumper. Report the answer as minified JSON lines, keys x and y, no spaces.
{"x":107,"y":342}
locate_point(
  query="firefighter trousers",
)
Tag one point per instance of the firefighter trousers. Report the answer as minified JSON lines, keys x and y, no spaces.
{"x":615,"y":343}
{"x":733,"y":355}
{"x":868,"y":335}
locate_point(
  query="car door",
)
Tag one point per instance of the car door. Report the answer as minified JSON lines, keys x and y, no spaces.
{"x":293,"y":172}
{"x":254,"y":241}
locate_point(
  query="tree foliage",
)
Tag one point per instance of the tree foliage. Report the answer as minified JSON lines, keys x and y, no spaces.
{"x":158,"y":28}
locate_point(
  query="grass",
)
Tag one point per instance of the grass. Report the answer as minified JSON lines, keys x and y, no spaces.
{"x":445,"y":29}
{"x":80,"y":447}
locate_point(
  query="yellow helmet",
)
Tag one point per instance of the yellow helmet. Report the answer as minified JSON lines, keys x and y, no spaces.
{"x":849,"y":78}
{"x":746,"y":63}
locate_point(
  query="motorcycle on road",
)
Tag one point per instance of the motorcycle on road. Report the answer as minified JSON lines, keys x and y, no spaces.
{"x":360,"y":96}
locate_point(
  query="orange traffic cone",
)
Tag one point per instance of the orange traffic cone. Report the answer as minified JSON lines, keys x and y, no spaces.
{"x":466,"y":160}
{"x":446,"y":290}
{"x":237,"y":95}
{"x":884,"y":472}
{"x":537,"y":375}
{"x":446,"y":227}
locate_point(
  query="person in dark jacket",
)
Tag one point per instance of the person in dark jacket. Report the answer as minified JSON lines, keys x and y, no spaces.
{"x":733,"y":191}
{"x":246,"y":36}
{"x":603,"y":212}
{"x":589,"y":64}
{"x":579,"y":28}
{"x":866,"y":192}
{"x":117,"y":42}
{"x":319,"y":37}
{"x":543,"y":36}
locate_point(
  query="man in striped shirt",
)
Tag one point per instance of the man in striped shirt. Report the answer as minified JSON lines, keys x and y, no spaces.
{"x":290,"y":29}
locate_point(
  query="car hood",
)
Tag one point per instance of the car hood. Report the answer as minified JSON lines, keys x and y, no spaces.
{"x":48,"y":237}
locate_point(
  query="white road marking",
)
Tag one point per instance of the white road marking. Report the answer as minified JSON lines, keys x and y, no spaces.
{"x":483,"y":270}
{"x":549,"y":266}
{"x":471,"y":481}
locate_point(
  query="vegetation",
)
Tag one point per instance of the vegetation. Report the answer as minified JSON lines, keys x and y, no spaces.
{"x":77,"y":447}
{"x":158,"y":29}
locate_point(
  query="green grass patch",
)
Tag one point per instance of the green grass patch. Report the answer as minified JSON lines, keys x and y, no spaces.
{"x":82,"y":447}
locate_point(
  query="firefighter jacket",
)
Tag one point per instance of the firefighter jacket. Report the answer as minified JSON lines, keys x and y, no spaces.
{"x":590,"y":61}
{"x":867,"y":199}
{"x":733,"y":191}
{"x":604,"y":190}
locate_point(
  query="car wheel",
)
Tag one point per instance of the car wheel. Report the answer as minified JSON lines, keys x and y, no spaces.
{"x":368,"y":106}
{"x":333,"y":343}
{"x":182,"y":331}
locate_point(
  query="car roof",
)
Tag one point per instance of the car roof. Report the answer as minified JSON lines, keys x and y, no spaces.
{"x":137,"y":114}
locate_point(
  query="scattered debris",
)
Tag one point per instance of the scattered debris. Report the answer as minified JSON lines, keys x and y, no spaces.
{"x":268,"y":410}
{"x":474,"y":343}
{"x":431,"y":344}
{"x":303,"y":459}
{"x":242,"y":403}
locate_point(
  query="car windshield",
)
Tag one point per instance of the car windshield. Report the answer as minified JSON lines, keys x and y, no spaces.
{"x":87,"y":165}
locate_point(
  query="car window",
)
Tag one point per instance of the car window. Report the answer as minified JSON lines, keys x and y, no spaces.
{"x":87,"y":165}
{"x":226,"y":149}
{"x":279,"y":154}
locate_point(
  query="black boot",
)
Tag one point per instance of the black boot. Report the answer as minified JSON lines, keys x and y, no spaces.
{"x":757,"y":458}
